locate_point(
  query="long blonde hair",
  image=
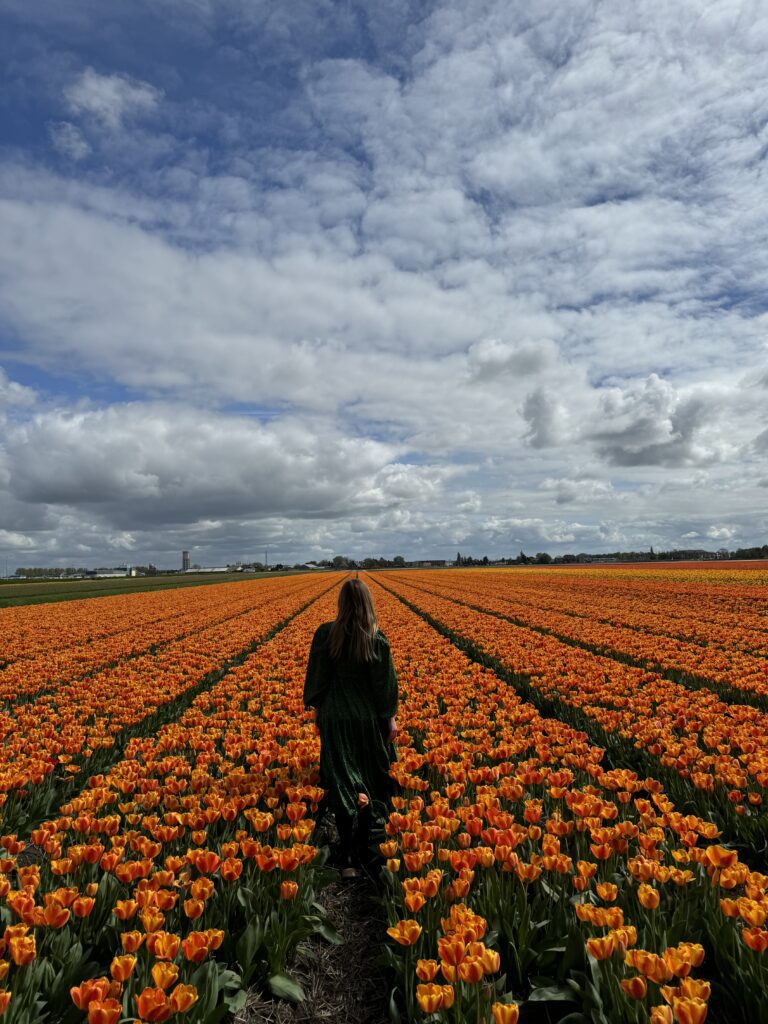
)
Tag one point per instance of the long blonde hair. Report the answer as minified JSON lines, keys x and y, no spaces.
{"x":355,"y":625}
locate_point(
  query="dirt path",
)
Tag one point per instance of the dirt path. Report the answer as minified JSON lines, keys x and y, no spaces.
{"x":343,"y":984}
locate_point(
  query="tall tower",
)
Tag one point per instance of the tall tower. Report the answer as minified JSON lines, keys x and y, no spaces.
{"x":184,"y":561}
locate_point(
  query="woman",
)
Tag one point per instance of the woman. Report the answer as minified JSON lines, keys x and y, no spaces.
{"x":351,"y":688}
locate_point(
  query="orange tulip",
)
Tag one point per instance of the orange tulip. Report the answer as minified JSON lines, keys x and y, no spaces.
{"x":231,"y":869}
{"x":429,"y":997}
{"x":153,"y":1005}
{"x":124,"y":910}
{"x":426,"y":969}
{"x":661,"y":1015}
{"x":601,"y":948}
{"x":405,"y":932}
{"x":471,"y":970}
{"x":83,"y":905}
{"x":5,"y":999}
{"x":164,"y":974}
{"x":206,"y":861}
{"x":720,"y":857}
{"x":694,"y":988}
{"x":414,"y":901}
{"x":505,"y":1013}
{"x":104,"y":1011}
{"x":163,"y":945}
{"x":23,"y":949}
{"x":288,"y":890}
{"x":648,"y":896}
{"x":196,"y":947}
{"x":607,"y":891}
{"x":131,"y":941}
{"x":88,"y":991}
{"x":689,"y":1011}
{"x":635,"y":988}
{"x":491,"y":960}
{"x":122,"y":967}
{"x":152,"y":919}
{"x":182,"y":998}
{"x":451,"y":949}
{"x":756,"y":939}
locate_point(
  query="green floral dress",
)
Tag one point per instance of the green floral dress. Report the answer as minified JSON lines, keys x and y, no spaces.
{"x":354,"y":700}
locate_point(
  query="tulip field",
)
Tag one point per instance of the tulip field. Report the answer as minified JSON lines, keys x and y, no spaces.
{"x":579,"y":835}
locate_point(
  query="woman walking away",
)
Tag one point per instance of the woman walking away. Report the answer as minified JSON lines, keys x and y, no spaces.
{"x":351,"y":688}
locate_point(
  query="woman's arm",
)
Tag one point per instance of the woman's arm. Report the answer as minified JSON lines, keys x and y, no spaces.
{"x":317,"y":679}
{"x":385,"y":689}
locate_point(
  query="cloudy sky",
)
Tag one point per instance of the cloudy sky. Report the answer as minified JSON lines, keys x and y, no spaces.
{"x":406,"y":278}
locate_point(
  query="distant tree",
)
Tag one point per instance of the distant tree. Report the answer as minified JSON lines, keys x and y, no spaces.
{"x":543,"y":558}
{"x":485,"y":559}
{"x":399,"y":561}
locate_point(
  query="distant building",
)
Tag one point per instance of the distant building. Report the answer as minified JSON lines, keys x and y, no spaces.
{"x":185,"y":561}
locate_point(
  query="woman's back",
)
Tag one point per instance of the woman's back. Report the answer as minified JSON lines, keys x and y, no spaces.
{"x":345,"y":687}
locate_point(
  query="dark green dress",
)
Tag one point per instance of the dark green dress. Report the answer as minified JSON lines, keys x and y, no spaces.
{"x":354,"y":701}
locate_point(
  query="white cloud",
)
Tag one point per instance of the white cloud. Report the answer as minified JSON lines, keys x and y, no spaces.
{"x":504,"y":262}
{"x":69,"y":140}
{"x":110,"y":98}
{"x":139,"y":464}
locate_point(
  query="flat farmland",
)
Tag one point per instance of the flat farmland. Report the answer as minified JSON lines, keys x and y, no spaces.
{"x":580,"y":832}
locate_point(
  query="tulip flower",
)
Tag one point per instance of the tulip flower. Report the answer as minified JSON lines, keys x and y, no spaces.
{"x":152,"y":1005}
{"x":429,"y":997}
{"x":182,"y":998}
{"x":505,"y":1013}
{"x":87,"y":991}
{"x":23,"y":949}
{"x":196,"y":947}
{"x":601,"y":948}
{"x":288,"y":890}
{"x":122,"y":967}
{"x":426,"y":969}
{"x":406,"y":932}
{"x":104,"y":1011}
{"x":164,"y":974}
{"x":648,"y":896}
{"x":689,"y":1011}
{"x":635,"y":988}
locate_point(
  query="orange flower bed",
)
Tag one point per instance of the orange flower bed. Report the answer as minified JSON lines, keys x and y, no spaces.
{"x":644,"y":622}
{"x":62,"y":729}
{"x":521,"y":866}
{"x":112,"y":629}
{"x":192,"y":852}
{"x":513,"y":853}
{"x":720,"y":749}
